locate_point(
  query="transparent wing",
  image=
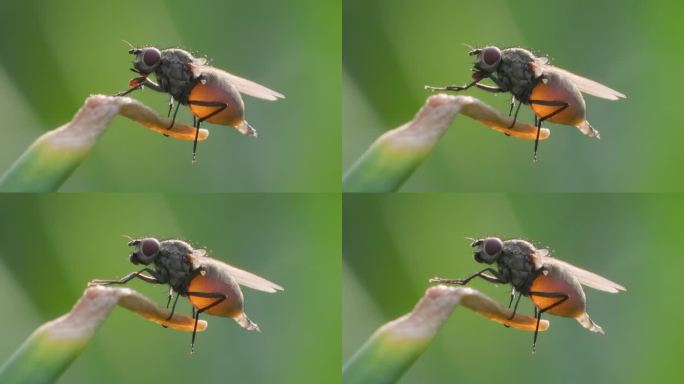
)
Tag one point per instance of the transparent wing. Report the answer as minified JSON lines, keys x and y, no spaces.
{"x":242,"y":277}
{"x":585,"y":277}
{"x":253,"y":89}
{"x":251,"y":280}
{"x":587,"y":86}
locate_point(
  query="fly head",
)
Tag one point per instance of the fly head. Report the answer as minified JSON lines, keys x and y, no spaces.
{"x":487,"y":61}
{"x":487,"y":250}
{"x":146,"y":59}
{"x":145,"y":250}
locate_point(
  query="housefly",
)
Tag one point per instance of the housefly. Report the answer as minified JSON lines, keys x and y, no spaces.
{"x":212,"y":94}
{"x":212,"y":286}
{"x":554,"y":286}
{"x":554,"y":94}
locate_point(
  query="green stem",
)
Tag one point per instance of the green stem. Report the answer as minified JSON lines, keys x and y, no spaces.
{"x":395,"y":155}
{"x":393,"y":348}
{"x":51,"y":348}
{"x":54,"y":156}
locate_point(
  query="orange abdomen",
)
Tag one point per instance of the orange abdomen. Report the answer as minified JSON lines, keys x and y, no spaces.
{"x":232,"y":306}
{"x":232,"y":115}
{"x":555,"y":88}
{"x":557,"y":282}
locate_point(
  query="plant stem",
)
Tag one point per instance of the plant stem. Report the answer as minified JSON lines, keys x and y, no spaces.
{"x":51,"y":348}
{"x":51,"y":159}
{"x":393,"y":348}
{"x":395,"y":155}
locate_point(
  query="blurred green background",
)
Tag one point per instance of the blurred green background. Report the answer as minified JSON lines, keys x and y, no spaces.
{"x":54,"y":244}
{"x":56,"y":53}
{"x":393,"y":244}
{"x":391,"y":49}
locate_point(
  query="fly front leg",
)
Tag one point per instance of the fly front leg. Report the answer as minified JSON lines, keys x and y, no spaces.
{"x":457,"y":88}
{"x":496,"y":278}
{"x":142,"y":82}
{"x":154,"y":279}
{"x":219,"y":108}
{"x":129,"y":90}
{"x":538,"y":122}
{"x":212,"y":295}
{"x":562,"y":297}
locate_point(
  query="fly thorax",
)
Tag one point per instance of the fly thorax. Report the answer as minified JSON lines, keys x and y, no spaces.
{"x":174,"y":73}
{"x":516,"y":74}
{"x":174,"y":261}
{"x":517,"y":266}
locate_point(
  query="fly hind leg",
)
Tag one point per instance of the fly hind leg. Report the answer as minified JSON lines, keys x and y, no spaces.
{"x":561,"y":298}
{"x":219,"y":108}
{"x":538,"y":122}
{"x":212,"y":295}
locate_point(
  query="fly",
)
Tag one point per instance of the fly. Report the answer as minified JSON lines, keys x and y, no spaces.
{"x":212,"y":94}
{"x":554,"y":94}
{"x":212,"y":286}
{"x":554,"y":286}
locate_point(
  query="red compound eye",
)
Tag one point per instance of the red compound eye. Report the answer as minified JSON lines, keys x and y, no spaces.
{"x":151,"y":56}
{"x":492,"y":246}
{"x":149,"y":247}
{"x":491,"y":55}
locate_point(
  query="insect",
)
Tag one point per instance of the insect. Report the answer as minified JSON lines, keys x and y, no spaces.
{"x":210,"y":285}
{"x":554,"y":286}
{"x":554,"y":94}
{"x":212,"y":94}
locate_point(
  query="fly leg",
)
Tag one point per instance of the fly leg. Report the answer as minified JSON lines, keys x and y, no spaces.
{"x":173,"y":120}
{"x":515,"y":309}
{"x":561,"y":298}
{"x":168,"y":114}
{"x":452,"y":87}
{"x":515,"y":117}
{"x":142,"y":82}
{"x":173,"y":309}
{"x":457,"y":88}
{"x":154,"y":279}
{"x":492,"y":279}
{"x":129,"y":90}
{"x":219,"y":108}
{"x":509,"y":302}
{"x":212,"y":295}
{"x":170,"y":297}
{"x":553,"y":103}
{"x":510,"y":111}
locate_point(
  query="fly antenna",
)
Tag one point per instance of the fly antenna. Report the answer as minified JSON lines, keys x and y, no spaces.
{"x":129,"y":44}
{"x":128,"y":237}
{"x":468,"y":46}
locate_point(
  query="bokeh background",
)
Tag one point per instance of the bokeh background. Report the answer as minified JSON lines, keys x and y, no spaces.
{"x":393,"y":244}
{"x":54,"y":244}
{"x":392,"y":49}
{"x":56,"y":53}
